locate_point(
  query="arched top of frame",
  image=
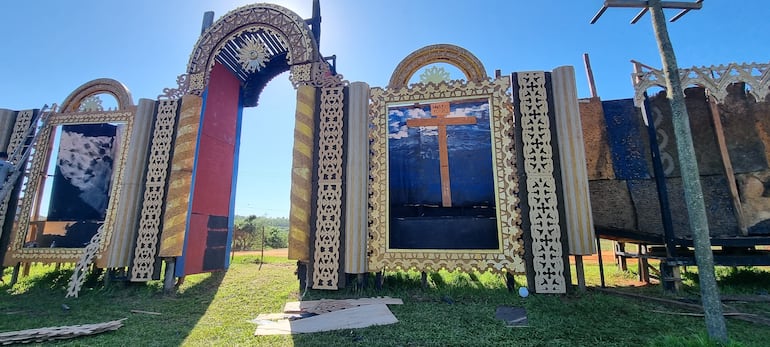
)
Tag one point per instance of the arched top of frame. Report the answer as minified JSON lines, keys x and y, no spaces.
{"x":247,"y":40}
{"x":441,"y":53}
{"x":98,"y":86}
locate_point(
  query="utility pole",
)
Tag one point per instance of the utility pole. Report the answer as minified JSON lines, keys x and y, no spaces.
{"x":693,"y":193}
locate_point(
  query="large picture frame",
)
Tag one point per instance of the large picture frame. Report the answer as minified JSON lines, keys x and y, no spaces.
{"x":509,"y":256}
{"x":17,"y":252}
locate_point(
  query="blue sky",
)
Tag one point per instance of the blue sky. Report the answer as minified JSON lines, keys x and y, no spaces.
{"x":49,"y":48}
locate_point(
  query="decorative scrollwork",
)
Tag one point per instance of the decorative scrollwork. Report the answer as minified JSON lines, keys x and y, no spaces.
{"x":541,"y":183}
{"x":79,"y":274}
{"x":715,"y":79}
{"x":154,"y":192}
{"x":329,"y":199}
{"x":182,"y":86}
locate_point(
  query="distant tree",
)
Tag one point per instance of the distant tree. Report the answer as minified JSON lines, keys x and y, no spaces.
{"x":247,"y":234}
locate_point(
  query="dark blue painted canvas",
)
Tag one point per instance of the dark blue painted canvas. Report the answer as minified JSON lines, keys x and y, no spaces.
{"x":625,"y":139}
{"x":414,"y":157}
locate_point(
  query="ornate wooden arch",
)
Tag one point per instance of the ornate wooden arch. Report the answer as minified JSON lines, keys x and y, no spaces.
{"x":98,"y":86}
{"x":441,"y":53}
{"x":292,"y":30}
{"x":715,"y":79}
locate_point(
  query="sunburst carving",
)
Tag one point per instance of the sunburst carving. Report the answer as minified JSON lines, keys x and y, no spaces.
{"x":252,"y":55}
{"x":92,"y":103}
{"x":435,"y":74}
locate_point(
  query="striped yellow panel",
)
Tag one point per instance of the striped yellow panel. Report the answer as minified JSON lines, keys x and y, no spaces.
{"x":175,"y":215}
{"x":577,"y":202}
{"x":357,"y":179}
{"x":301,"y":175}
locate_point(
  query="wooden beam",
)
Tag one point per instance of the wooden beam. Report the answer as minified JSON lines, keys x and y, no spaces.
{"x":728,"y":165}
{"x":683,"y":5}
{"x":590,"y":75}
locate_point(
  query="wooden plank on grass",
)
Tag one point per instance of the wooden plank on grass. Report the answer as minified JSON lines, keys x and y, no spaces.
{"x":272,"y":316}
{"x":352,"y":318}
{"x":328,"y":305}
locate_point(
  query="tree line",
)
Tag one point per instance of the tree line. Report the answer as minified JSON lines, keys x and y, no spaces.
{"x":247,"y":233}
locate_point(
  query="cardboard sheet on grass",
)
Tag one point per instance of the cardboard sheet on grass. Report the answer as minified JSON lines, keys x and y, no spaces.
{"x":330,"y":315}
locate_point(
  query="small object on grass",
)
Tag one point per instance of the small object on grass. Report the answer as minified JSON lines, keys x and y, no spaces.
{"x":523,"y":292}
{"x":512,"y":316}
{"x":146,"y":312}
{"x":447,"y":300}
{"x":65,"y":307}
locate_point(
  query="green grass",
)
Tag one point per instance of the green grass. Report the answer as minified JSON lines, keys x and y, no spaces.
{"x":456,"y":309}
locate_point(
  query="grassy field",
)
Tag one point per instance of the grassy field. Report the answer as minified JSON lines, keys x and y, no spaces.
{"x":455,"y":310}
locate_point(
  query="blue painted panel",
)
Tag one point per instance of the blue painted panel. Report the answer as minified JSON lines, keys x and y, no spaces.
{"x":625,"y":138}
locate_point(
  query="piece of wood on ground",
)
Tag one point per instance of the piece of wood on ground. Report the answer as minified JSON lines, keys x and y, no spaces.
{"x":687,"y":306}
{"x":352,"y":318}
{"x":58,"y":333}
{"x":273,"y":316}
{"x":512,"y":316}
{"x":146,"y":312}
{"x":329,"y":305}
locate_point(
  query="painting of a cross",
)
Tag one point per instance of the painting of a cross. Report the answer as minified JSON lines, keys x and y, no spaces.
{"x":441,"y":111}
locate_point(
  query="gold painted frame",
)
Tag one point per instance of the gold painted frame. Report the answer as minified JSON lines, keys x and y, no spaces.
{"x":16,"y":251}
{"x":510,"y":257}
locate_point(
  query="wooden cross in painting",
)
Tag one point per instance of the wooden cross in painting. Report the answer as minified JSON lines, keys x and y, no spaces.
{"x":441,"y":111}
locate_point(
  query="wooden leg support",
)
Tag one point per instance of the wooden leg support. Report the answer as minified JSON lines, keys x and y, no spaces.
{"x":670,"y":277}
{"x":379,"y":279}
{"x":168,"y":280}
{"x":510,"y":282}
{"x":15,"y":274}
{"x":580,"y":272}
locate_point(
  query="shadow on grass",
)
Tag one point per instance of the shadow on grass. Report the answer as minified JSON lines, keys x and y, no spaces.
{"x":735,"y":280}
{"x":38,"y":301}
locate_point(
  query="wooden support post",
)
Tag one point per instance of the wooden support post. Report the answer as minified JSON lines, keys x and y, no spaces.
{"x":302,"y":276}
{"x":108,"y":273}
{"x":644,"y":264}
{"x":590,"y":75}
{"x":510,"y":282}
{"x":601,"y":261}
{"x":25,"y":270}
{"x":580,"y":272}
{"x":620,"y":259}
{"x":15,"y":274}
{"x":379,"y":279}
{"x":424,"y":280}
{"x":728,"y":165}
{"x":671,"y":277}
{"x":168,"y":280}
